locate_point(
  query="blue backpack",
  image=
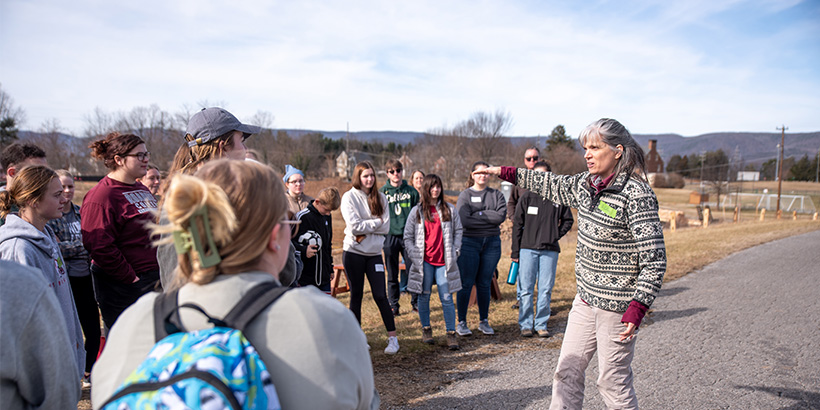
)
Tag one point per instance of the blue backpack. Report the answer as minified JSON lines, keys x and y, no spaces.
{"x":215,"y":368}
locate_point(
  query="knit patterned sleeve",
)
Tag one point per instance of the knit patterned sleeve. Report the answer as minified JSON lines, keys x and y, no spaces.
{"x":560,"y":189}
{"x":647,"y":232}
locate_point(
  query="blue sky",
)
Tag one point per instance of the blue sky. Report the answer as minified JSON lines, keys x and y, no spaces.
{"x":685,"y":67}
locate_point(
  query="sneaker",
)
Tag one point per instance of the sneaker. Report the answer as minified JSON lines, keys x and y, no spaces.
{"x":427,"y":335}
{"x":484,"y":327}
{"x":452,"y":341}
{"x":86,"y":382}
{"x":462,"y":329}
{"x":543,"y":333}
{"x":514,"y":305}
{"x":392,"y":345}
{"x":526,"y":332}
{"x":396,"y":312}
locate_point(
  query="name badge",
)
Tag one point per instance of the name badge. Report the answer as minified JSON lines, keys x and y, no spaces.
{"x":475,"y":199}
{"x":532,"y":210}
{"x":379,"y":268}
{"x":605,"y":208}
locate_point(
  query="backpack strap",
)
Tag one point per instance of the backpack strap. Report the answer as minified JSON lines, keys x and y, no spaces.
{"x":166,"y":314}
{"x":254,"y":302}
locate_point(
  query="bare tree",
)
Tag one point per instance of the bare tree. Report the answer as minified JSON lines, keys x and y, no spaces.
{"x":565,"y":160}
{"x":11,"y":117}
{"x":9,"y":110}
{"x":485,"y":131}
{"x":99,"y":123}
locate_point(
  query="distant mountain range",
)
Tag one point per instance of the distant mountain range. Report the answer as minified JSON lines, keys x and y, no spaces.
{"x":753,"y":147}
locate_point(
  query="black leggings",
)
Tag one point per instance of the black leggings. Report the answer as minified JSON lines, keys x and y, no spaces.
{"x":356,"y":267}
{"x":83,"y":291}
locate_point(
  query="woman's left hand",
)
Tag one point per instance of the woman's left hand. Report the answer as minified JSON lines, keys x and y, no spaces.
{"x":488,"y":171}
{"x":629,"y":333}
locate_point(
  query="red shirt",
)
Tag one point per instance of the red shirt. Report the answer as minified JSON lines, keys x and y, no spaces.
{"x":112,"y":220}
{"x":433,"y":240}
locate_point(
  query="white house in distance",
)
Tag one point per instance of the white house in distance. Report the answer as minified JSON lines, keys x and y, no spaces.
{"x":748,"y":176}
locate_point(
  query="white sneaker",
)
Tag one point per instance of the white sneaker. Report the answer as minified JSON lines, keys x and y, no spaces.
{"x":86,"y":382}
{"x":392,"y":345}
{"x":484,"y":327}
{"x":462,"y":329}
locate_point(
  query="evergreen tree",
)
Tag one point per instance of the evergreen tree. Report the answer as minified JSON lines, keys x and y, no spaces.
{"x":559,"y":137}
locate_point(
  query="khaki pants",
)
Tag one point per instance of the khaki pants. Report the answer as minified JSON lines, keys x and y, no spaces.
{"x":589,"y":330}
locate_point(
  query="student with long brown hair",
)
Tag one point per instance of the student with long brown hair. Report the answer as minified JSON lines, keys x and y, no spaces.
{"x":310,"y":343}
{"x":113,"y":217}
{"x":26,"y":238}
{"x":367,"y":220}
{"x":432,"y":238}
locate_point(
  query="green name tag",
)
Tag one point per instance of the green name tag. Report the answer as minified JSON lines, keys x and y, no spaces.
{"x":605,"y":208}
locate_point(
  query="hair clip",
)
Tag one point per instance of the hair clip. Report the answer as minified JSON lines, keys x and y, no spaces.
{"x":184,"y":241}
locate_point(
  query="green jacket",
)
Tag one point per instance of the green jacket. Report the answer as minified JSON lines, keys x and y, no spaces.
{"x":400,"y":200}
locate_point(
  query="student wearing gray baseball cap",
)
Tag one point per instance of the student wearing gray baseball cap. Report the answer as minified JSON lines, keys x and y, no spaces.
{"x":212,"y":133}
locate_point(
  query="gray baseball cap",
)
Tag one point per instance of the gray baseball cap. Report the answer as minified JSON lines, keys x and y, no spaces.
{"x":211,"y":123}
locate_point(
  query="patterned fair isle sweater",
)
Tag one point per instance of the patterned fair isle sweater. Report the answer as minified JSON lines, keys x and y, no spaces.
{"x":621,"y":255}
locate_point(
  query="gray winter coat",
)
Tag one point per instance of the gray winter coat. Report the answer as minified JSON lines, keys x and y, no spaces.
{"x":414,"y":246}
{"x":21,"y":242}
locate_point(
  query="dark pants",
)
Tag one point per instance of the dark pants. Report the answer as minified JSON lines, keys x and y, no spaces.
{"x":357,"y":267}
{"x":393,"y":247}
{"x":476,"y":264}
{"x":83,"y":290}
{"x":114,"y":296}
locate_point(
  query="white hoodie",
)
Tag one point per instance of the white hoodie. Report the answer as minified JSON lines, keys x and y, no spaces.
{"x":359,"y":221}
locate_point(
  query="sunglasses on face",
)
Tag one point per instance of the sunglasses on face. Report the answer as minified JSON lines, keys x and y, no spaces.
{"x":394,"y":171}
{"x":532,"y":158}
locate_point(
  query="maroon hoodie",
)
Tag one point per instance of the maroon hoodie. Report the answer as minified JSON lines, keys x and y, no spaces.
{"x":113,"y":218}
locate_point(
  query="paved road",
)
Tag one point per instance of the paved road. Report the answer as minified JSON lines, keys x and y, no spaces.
{"x":743,"y":333}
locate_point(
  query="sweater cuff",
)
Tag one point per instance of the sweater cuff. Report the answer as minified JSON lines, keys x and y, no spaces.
{"x":509,"y":174}
{"x":634,"y":313}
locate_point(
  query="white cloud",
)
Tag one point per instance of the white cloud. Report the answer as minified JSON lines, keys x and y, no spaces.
{"x":407,"y":65}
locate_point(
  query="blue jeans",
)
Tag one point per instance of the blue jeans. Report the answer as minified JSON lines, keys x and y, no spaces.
{"x":439,"y":273}
{"x":477,"y":262}
{"x":535,"y":265}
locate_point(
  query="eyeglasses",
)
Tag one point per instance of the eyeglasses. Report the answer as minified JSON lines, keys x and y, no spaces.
{"x":394,"y":171}
{"x":142,"y":156}
{"x":294,"y":226}
{"x":298,"y":181}
{"x":532,"y":158}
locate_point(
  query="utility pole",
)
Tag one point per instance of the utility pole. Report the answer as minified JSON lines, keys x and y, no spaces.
{"x":780,"y":167}
{"x":817,"y":175}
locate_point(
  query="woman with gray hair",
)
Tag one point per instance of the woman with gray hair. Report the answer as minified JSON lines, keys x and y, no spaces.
{"x":619,"y":265}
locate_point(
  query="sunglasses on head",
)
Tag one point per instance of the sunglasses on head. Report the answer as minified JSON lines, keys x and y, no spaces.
{"x":532,"y":158}
{"x":394,"y":171}
{"x":294,"y":225}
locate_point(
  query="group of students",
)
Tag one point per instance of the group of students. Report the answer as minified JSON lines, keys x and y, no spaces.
{"x":255,"y":230}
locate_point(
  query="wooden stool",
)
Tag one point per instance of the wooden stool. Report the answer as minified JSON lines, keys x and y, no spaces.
{"x":495,"y":291}
{"x":335,"y":289}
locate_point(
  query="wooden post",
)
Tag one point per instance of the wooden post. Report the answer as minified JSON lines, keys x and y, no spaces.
{"x":673,"y":222}
{"x":794,"y":215}
{"x":735,"y":217}
{"x":706,"y":214}
{"x":779,"y":214}
{"x":814,"y":218}
{"x":762,"y":214}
